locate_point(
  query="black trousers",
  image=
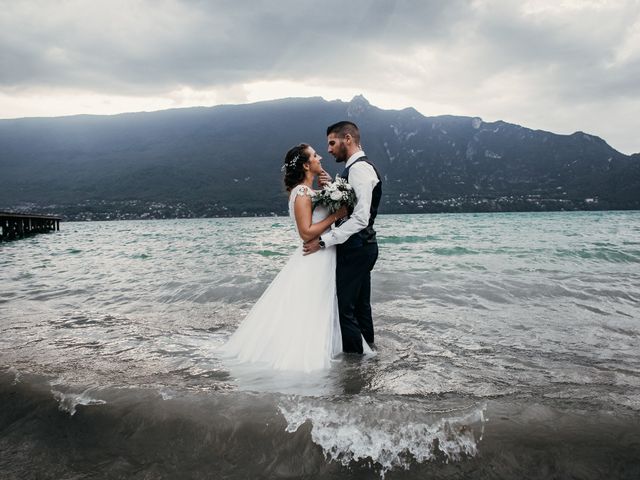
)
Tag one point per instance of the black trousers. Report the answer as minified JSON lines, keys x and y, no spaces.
{"x":353,"y":282}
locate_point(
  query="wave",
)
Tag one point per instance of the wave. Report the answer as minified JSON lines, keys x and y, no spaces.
{"x":454,"y":251}
{"x":164,"y":434}
{"x":392,"y":434}
{"x":67,"y":402}
{"x":601,"y":253}
{"x":271,"y":253}
{"x":394,"y":239}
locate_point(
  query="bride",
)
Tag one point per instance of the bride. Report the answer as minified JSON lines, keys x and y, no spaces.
{"x":295,"y":325}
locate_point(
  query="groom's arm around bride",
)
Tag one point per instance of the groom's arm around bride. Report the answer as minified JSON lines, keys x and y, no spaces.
{"x":355,"y":238}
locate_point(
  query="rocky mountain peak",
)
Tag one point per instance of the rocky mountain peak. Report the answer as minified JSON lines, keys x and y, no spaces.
{"x":357,"y":106}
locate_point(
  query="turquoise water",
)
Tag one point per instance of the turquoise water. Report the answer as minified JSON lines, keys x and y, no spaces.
{"x":510,"y":317}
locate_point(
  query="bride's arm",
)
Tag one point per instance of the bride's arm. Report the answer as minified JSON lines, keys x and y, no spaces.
{"x":303,"y":209}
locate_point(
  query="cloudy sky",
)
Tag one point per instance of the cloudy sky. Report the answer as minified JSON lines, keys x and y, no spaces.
{"x":557,"y":65}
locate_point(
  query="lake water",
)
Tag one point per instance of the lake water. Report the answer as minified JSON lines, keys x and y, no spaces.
{"x":509,"y":346}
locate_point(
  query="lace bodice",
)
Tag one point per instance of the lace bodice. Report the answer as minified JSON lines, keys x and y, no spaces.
{"x":319,"y":213}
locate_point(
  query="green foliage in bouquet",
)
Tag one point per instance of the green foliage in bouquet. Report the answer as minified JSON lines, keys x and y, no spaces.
{"x":335,"y":195}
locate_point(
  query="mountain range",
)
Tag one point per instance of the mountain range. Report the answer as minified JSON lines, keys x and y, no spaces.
{"x":225,"y":161}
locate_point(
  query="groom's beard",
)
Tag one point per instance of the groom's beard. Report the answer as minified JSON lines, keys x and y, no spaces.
{"x":342,"y":155}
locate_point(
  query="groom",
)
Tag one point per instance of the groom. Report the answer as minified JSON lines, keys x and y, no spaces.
{"x":355,"y":238}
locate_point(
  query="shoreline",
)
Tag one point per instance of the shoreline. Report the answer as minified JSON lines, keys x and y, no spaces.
{"x":50,"y":432}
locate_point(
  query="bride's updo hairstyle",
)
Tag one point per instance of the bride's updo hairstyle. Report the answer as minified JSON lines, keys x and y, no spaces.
{"x":293,"y":165}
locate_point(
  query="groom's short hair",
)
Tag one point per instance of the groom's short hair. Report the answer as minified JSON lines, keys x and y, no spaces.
{"x":344,"y":127}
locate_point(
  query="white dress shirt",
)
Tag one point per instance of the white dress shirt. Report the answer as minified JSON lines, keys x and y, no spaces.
{"x":363,"y":178}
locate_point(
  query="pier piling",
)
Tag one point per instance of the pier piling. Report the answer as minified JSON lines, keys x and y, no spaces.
{"x":18,"y":225}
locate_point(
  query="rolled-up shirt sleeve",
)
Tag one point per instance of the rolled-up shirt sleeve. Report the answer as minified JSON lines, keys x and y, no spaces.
{"x":363,"y":178}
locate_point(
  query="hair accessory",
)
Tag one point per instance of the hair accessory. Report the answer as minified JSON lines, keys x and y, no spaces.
{"x":291,"y":163}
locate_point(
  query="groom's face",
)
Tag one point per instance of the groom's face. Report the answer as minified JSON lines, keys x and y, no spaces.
{"x":336,"y":147}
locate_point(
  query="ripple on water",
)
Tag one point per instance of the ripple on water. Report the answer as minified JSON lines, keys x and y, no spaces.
{"x":454,"y":251}
{"x":394,"y":240}
{"x":457,"y":289}
{"x":271,"y":253}
{"x":601,"y":253}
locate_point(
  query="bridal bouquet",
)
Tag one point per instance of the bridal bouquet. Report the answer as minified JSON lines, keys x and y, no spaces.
{"x":335,"y":194}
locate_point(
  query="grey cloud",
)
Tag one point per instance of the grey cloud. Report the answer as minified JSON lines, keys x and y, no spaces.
{"x":474,"y":48}
{"x":574,"y":53}
{"x":205,"y":43}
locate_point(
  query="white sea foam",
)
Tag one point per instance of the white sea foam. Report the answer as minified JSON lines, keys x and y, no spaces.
{"x":67,"y":402}
{"x":391,"y":434}
{"x":17,"y":376}
{"x":167,"y":394}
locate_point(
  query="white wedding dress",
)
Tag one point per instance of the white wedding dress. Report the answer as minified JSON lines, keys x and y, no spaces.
{"x":294,"y":325}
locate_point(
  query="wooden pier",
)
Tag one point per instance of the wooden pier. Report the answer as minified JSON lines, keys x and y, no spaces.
{"x":19,"y":225}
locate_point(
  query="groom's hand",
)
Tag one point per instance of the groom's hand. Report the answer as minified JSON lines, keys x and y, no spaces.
{"x":312,"y":246}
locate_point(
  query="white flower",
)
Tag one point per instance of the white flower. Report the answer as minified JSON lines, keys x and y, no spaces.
{"x":336,"y":195}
